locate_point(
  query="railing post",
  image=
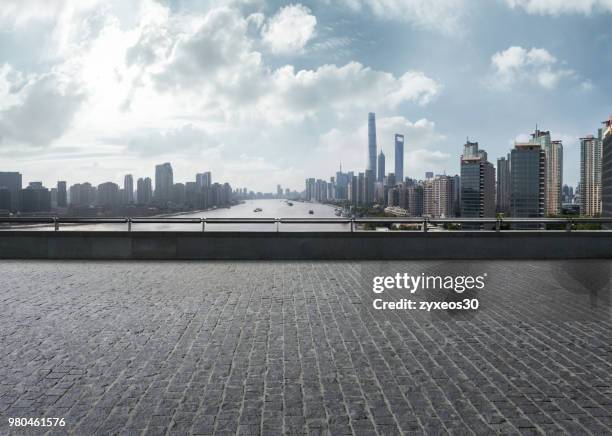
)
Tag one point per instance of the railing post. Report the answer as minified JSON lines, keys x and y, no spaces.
{"x":56,"y":224}
{"x":203,"y":224}
{"x":568,"y":225}
{"x":424,"y":225}
{"x":277,"y":224}
{"x":498,"y":225}
{"x":129,"y":223}
{"x":352,"y":225}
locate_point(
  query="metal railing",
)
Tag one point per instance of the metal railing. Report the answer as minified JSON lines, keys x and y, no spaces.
{"x":424,"y":224}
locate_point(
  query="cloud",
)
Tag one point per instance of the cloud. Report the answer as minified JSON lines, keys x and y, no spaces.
{"x":45,"y":109}
{"x":442,"y":15}
{"x":558,"y":7}
{"x":289,"y":30}
{"x":186,"y":139}
{"x":537,"y":65}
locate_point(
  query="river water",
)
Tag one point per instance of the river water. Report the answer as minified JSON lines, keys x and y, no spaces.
{"x":270,"y":209}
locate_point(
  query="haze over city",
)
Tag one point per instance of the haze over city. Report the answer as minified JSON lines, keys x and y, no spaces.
{"x":265,"y":93}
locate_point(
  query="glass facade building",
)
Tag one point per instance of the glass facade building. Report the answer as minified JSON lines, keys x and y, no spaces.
{"x":399,"y":157}
{"x":372,"y":143}
{"x":606,"y":171}
{"x":528,"y":181}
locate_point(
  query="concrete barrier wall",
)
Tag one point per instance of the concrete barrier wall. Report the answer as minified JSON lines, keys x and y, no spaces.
{"x":300,"y":245}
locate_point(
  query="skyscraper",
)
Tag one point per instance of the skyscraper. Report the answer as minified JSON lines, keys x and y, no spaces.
{"x":108,"y":195}
{"x":438,"y":197}
{"x":553,"y":151}
{"x":204,"y":180}
{"x":590,"y":174}
{"x":372,"y":144}
{"x":381,"y":167}
{"x":528,"y":181}
{"x":503,"y":185}
{"x":164,"y":180}
{"x":128,"y":189}
{"x":13,"y":183}
{"x":477,"y":184}
{"x":606,"y":171}
{"x":144,"y":191}
{"x":399,"y":157}
{"x":62,"y":194}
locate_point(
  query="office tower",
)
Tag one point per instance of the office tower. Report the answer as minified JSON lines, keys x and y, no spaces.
{"x":352,"y":189}
{"x":13,"y":183}
{"x":606,"y":171}
{"x":399,"y":157}
{"x":128,"y":189}
{"x":503,"y":185}
{"x":590,"y":174}
{"x":368,"y":193}
{"x":62,"y":194}
{"x":527,"y":181}
{"x":342,"y":182}
{"x":279,"y":191}
{"x":35,"y":198}
{"x":553,"y":151}
{"x":457,"y":195}
{"x":470,"y":149}
{"x":321,"y":191}
{"x":164,"y":180}
{"x":204,"y":180}
{"x":361,"y":189}
{"x":144,"y":191}
{"x":108,"y":195}
{"x":477,"y":184}
{"x":381,"y":167}
{"x":372,"y":143}
{"x":390,"y":180}
{"x":429,"y":175}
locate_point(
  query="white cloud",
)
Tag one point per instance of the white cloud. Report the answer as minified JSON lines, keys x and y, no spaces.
{"x":442,"y":15}
{"x":558,"y":7}
{"x":537,"y":65}
{"x":289,"y":30}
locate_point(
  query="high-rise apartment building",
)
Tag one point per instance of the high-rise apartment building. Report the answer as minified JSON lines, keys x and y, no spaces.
{"x":108,"y":195}
{"x":477,"y":184}
{"x":528,"y":181}
{"x":204,"y":180}
{"x":399,"y":157}
{"x":438,"y":197}
{"x":553,"y":151}
{"x":590,"y":174}
{"x":128,"y":189}
{"x":164,"y":181}
{"x":381,"y":167}
{"x":503,"y":185}
{"x":372,"y":144}
{"x":606,"y":171}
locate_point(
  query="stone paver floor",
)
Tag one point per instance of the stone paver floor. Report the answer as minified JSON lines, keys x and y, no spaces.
{"x":297,"y":348}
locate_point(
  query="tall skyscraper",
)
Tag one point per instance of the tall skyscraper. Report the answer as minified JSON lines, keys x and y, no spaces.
{"x":372,"y":144}
{"x":553,"y":151}
{"x":35,"y":198}
{"x":590,"y":174}
{"x":606,"y":171}
{"x":62,"y":194}
{"x":438,"y":197}
{"x":528,"y":181}
{"x":13,"y":183}
{"x":164,"y":180}
{"x":477,"y":184}
{"x":144,"y":191}
{"x":399,"y":157}
{"x":381,"y":167}
{"x":128,"y":189}
{"x":503,"y":185}
{"x":204,"y":180}
{"x":368,"y":186}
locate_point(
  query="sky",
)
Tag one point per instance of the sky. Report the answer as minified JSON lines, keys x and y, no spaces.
{"x":262,"y":92}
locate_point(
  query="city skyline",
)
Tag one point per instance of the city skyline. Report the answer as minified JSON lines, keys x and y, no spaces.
{"x":109,"y":88}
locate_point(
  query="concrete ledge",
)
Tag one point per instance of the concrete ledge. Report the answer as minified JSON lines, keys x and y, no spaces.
{"x":304,"y":246}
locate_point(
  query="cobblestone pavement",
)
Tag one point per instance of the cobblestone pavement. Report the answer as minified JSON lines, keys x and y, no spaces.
{"x":297,"y":348}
